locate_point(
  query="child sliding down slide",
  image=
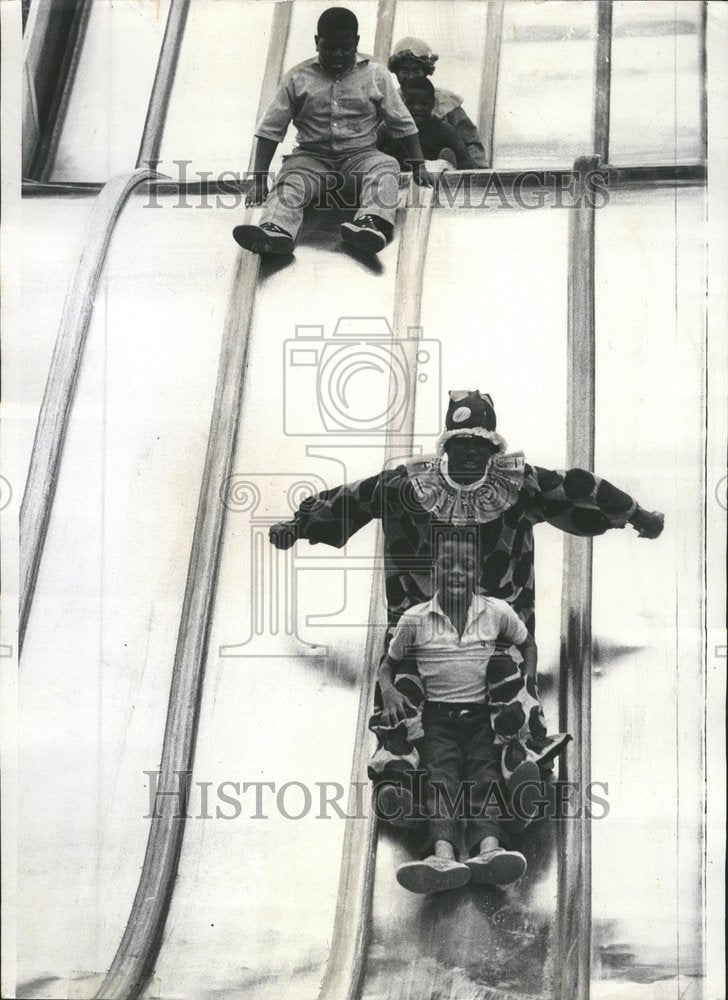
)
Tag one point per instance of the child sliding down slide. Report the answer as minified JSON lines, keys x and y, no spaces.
{"x":452,"y":638}
{"x":336,"y":101}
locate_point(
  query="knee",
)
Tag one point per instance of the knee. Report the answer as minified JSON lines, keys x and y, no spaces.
{"x":295,"y":188}
{"x":383,"y":165}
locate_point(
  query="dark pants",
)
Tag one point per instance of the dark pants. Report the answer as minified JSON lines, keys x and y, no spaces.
{"x":458,"y":753}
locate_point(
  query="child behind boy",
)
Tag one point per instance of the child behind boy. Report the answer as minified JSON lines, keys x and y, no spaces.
{"x":452,"y":638}
{"x":438,"y":139}
{"x":336,"y":102}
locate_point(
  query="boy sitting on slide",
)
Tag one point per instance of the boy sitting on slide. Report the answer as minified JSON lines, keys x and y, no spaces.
{"x":336,"y":101}
{"x":452,"y":637}
{"x":442,"y":146}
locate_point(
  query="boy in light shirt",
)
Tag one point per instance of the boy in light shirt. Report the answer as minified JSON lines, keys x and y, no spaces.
{"x":336,"y":101}
{"x":452,"y":637}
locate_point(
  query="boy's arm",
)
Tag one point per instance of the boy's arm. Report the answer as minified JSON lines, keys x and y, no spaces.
{"x":469,"y":134}
{"x":269,"y":132}
{"x":456,"y":144}
{"x":264,"y":152}
{"x":401,"y":126}
{"x":395,"y":705}
{"x":529,"y":651}
{"x":415,"y":159}
{"x":514,"y":631}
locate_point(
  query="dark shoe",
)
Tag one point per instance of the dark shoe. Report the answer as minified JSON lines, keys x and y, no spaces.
{"x":498,"y":867}
{"x":526,"y":801}
{"x":265,"y":238}
{"x":363,"y":234}
{"x":433,"y":875}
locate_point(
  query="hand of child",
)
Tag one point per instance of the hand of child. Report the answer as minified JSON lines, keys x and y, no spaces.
{"x":283,"y":534}
{"x":395,"y":706}
{"x":648,"y":524}
{"x":258,"y":191}
{"x":424,"y":177}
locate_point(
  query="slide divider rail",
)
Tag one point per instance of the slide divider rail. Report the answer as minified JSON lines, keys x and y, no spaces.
{"x":572,"y":959}
{"x":489,"y":79}
{"x":159,"y":98}
{"x":139,"y":946}
{"x":55,"y":410}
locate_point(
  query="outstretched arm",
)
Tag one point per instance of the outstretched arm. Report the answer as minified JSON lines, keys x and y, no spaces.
{"x":332,"y":516}
{"x":581,"y":503}
{"x":647,"y":523}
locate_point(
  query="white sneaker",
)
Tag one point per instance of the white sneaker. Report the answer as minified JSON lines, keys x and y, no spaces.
{"x":433,"y":875}
{"x":497,"y":867}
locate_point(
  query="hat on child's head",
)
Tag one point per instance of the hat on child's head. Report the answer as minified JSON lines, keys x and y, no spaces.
{"x":470,"y":413}
{"x":412,"y":48}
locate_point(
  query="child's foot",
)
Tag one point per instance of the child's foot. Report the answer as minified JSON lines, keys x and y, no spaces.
{"x":497,"y":867}
{"x":528,"y":799}
{"x":363,"y":234}
{"x":433,"y":875}
{"x":265,"y":238}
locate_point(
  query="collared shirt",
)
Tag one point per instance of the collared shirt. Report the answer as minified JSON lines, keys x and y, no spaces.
{"x":453,"y":667}
{"x":336,"y":116}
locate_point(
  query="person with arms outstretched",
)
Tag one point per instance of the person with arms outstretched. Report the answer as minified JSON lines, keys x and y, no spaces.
{"x":472,"y":481}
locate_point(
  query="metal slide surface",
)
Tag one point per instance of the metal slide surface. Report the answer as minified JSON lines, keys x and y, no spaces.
{"x":253,"y":906}
{"x":479,"y":943}
{"x":256,"y":897}
{"x":95,"y":670}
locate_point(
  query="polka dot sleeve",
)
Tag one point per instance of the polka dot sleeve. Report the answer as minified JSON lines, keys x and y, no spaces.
{"x":580,"y":502}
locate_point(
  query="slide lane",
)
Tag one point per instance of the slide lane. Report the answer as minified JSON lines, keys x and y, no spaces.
{"x":487,"y":942}
{"x":95,"y":670}
{"x":256,"y":888}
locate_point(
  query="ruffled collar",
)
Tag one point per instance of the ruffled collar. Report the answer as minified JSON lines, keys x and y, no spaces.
{"x":474,"y":503}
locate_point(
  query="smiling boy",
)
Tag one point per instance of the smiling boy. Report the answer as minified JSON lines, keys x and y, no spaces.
{"x":336,"y":102}
{"x":452,"y":638}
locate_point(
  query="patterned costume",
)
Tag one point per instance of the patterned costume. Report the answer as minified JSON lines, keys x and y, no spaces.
{"x":416,"y":499}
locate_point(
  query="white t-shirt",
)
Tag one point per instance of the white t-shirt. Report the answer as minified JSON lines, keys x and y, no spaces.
{"x":453,"y":667}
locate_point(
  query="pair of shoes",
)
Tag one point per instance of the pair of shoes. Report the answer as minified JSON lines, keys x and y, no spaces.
{"x":363,"y":234}
{"x":527,"y":798}
{"x":265,"y":238}
{"x":433,"y":874}
{"x":497,"y":867}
